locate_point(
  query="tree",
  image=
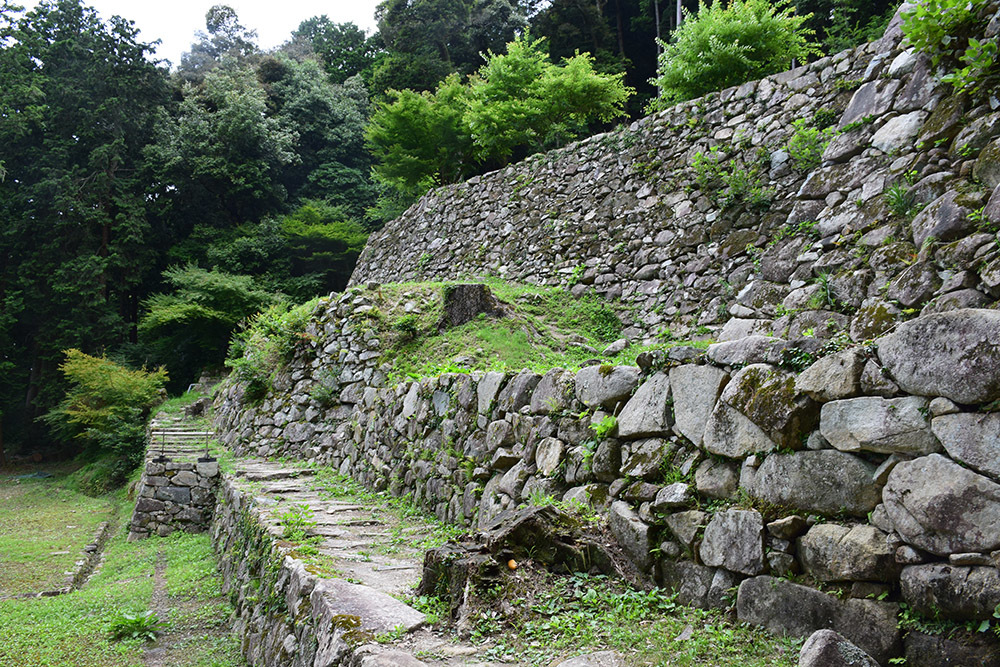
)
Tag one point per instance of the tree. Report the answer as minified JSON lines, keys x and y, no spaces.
{"x":426,"y":40}
{"x":79,"y":97}
{"x":521,"y":103}
{"x":516,"y":104}
{"x":225,"y":39}
{"x":420,"y":139}
{"x":343,"y":48}
{"x":329,"y":120}
{"x":189,"y":327}
{"x":106,"y":406}
{"x":219,"y":161}
{"x":725,"y":46}
{"x":843,"y":24}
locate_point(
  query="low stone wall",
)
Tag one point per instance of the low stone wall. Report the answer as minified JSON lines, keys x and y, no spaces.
{"x":872,"y":472}
{"x":175,"y":495}
{"x":287,"y":616}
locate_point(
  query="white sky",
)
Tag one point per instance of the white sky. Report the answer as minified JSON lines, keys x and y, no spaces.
{"x":174,"y":22}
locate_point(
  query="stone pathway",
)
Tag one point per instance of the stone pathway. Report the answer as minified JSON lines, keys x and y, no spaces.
{"x":177,"y":438}
{"x":363,"y":542}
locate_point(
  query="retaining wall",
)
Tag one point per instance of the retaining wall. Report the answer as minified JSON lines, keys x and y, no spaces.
{"x":841,"y":435}
{"x":175,"y":495}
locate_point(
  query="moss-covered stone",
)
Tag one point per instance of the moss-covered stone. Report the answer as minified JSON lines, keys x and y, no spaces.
{"x":767,"y":396}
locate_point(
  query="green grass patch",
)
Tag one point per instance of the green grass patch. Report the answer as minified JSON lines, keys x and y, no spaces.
{"x":75,"y":629}
{"x":44,"y":527}
{"x":555,"y":617}
{"x":175,"y":405}
{"x":542,"y":328}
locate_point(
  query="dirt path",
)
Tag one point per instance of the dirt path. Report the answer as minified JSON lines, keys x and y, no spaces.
{"x":154,"y":656}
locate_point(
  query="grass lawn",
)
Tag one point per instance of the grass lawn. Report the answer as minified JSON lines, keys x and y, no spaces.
{"x":43,"y":530}
{"x":542,"y":328}
{"x":73,"y":629}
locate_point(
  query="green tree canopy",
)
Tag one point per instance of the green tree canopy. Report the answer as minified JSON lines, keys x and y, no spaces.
{"x":516,"y":104}
{"x":343,"y":48}
{"x":726,"y":45}
{"x":522,"y":103}
{"x":225,"y":39}
{"x":189,"y":327}
{"x":78,"y":98}
{"x":105,"y":407}
{"x":220,"y":159}
{"x":426,"y":40}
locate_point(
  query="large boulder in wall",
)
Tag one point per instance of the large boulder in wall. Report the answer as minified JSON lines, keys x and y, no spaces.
{"x":939,"y":506}
{"x":759,"y":410}
{"x":954,"y":354}
{"x":825,"y":482}
{"x":787,"y":608}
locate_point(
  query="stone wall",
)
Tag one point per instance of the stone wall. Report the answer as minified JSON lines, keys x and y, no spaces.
{"x":175,"y":495}
{"x":871,"y":472}
{"x":841,"y":435}
{"x":824,"y":248}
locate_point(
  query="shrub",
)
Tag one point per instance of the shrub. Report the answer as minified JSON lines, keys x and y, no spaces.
{"x":949,"y":31}
{"x":516,"y":104}
{"x":265,"y":343}
{"x":724,"y":46}
{"x":106,"y":407}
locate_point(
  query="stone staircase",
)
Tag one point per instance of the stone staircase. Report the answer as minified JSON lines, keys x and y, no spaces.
{"x":176,"y":438}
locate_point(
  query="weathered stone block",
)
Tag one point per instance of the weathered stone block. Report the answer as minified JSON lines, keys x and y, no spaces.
{"x":784,"y":607}
{"x":648,"y":412}
{"x":825,"y":481}
{"x":972,"y":439}
{"x":696,"y":389}
{"x":830,"y":552}
{"x":644,"y":458}
{"x":886,"y":426}
{"x":834,"y":377}
{"x":174,"y":494}
{"x":553,"y":393}
{"x":826,"y":648}
{"x":938,"y":506}
{"x":734,"y":539}
{"x":954,"y":354}
{"x":961,"y":593}
{"x":632,"y":534}
{"x":606,"y":386}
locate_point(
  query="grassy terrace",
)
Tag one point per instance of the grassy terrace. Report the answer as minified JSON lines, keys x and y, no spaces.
{"x":73,"y":629}
{"x":542,"y":328}
{"x":43,"y":530}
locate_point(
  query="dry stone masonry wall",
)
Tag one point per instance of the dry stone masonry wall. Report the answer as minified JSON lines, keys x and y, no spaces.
{"x":764,"y":244}
{"x":842,"y":434}
{"x":174,"y":495}
{"x":722,"y":469}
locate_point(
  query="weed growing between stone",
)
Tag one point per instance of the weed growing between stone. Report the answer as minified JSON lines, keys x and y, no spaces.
{"x":538,"y":617}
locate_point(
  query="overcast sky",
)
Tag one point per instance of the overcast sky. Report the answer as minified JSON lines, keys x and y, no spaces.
{"x":174,"y":22}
